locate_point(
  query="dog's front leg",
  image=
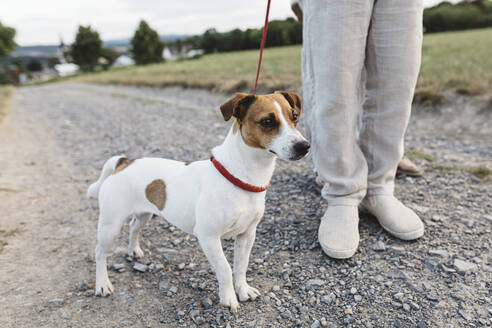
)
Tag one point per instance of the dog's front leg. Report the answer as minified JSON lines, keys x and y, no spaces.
{"x":212,"y":248}
{"x":242,"y":249}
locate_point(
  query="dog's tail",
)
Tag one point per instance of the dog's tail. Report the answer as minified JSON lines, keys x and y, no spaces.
{"x":107,"y":169}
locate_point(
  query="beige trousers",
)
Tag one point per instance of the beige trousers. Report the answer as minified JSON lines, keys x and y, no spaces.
{"x":344,"y":41}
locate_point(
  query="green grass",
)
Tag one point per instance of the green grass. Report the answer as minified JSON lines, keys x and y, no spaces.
{"x":413,"y":153}
{"x":459,"y":61}
{"x":456,"y":61}
{"x":481,"y":172}
{"x":5,"y":94}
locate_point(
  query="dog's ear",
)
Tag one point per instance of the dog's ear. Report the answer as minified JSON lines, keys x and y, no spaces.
{"x":293,"y":99}
{"x":237,"y":106}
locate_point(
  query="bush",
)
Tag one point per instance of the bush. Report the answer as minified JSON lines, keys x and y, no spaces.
{"x":462,"y":16}
{"x":110,"y":55}
{"x":34,"y":66}
{"x":146,"y":46}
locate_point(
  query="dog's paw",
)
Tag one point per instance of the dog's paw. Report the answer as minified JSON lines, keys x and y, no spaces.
{"x":247,"y":292}
{"x":136,"y":253}
{"x":229,"y":299}
{"x":104,"y":289}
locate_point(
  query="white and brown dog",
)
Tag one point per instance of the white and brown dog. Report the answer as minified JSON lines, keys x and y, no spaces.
{"x":212,"y":199}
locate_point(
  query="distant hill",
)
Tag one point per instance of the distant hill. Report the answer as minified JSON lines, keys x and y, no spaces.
{"x":35,"y":51}
{"x":50,"y":50}
{"x":126,"y":41}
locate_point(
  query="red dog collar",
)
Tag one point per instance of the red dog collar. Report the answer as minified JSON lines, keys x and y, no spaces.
{"x":235,"y":181}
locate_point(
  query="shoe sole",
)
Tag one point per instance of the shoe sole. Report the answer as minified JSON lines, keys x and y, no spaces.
{"x":412,"y":235}
{"x":339,"y":254}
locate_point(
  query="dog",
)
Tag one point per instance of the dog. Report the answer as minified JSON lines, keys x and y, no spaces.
{"x":212,"y":199}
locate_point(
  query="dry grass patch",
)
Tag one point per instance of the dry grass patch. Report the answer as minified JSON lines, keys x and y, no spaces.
{"x":220,"y":72}
{"x":456,"y":61}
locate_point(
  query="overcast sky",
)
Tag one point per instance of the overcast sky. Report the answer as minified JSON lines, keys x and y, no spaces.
{"x":46,"y":21}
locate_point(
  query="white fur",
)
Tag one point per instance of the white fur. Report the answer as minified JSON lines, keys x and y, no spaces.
{"x":108,"y":168}
{"x":283,"y":144}
{"x":199,"y":200}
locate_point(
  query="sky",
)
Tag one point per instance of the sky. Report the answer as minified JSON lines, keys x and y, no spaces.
{"x":46,"y":21}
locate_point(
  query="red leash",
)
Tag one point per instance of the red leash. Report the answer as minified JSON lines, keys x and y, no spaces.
{"x":222,"y":170}
{"x":263,"y":39}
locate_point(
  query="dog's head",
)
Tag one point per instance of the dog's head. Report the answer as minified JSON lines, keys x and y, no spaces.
{"x":269,"y":122}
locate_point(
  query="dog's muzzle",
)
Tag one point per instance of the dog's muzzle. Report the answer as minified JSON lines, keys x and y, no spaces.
{"x":301,"y":149}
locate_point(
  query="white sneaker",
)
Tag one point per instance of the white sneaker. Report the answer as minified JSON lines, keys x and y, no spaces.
{"x":394,"y":217}
{"x":338,"y":232}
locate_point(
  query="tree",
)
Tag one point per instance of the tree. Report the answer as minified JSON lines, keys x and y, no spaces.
{"x":87,"y":48}
{"x":210,"y":40}
{"x":146,"y":46}
{"x":7,"y":43}
{"x":277,"y":34}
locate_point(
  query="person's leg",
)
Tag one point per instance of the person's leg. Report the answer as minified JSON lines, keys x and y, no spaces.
{"x":334,"y":42}
{"x":392,"y":63}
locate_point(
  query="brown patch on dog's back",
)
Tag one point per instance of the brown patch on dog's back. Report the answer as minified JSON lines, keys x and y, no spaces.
{"x":122,"y":164}
{"x":156,"y":193}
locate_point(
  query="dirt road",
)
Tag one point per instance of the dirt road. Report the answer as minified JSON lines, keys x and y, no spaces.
{"x":57,"y":136}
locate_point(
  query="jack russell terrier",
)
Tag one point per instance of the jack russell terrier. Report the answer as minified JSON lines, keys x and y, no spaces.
{"x":212,"y":199}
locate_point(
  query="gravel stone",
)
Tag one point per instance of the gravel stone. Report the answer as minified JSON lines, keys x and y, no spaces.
{"x":207,"y":303}
{"x":315,"y":282}
{"x":464,"y":267}
{"x":83,"y":287}
{"x":379,"y":246}
{"x":55,"y":302}
{"x":439,"y":252}
{"x":432,"y":297}
{"x":465,"y":314}
{"x":140,"y":267}
{"x":398,"y":297}
{"x":119,"y":267}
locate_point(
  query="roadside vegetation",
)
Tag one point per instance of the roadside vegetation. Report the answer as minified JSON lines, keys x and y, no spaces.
{"x":451,"y":61}
{"x":5,"y":94}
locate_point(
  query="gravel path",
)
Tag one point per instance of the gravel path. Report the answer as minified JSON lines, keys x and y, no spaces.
{"x":58,"y":136}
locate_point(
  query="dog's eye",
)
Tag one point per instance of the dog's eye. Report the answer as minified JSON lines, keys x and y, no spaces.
{"x":295,"y":116}
{"x":268,"y":122}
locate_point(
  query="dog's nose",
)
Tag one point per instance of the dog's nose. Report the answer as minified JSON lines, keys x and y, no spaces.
{"x":301,"y":148}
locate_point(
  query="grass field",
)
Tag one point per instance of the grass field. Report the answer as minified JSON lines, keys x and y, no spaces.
{"x":5,"y":93}
{"x":458,"y":61}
